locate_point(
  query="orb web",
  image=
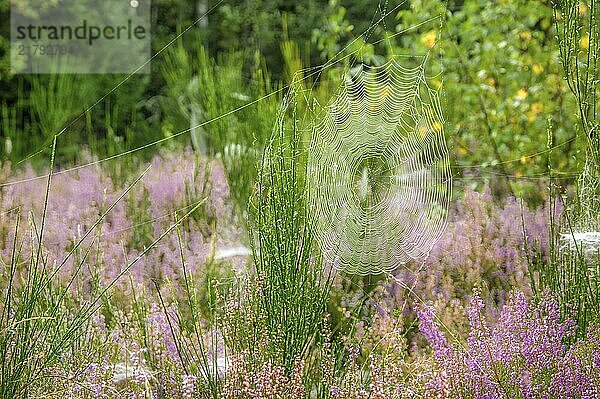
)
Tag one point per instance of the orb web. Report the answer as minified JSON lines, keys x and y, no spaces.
{"x":379,"y":179}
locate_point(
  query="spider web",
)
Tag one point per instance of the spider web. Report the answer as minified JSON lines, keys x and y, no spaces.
{"x":378,"y":178}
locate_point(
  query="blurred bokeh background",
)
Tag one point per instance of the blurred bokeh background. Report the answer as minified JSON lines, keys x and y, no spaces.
{"x":498,"y":70}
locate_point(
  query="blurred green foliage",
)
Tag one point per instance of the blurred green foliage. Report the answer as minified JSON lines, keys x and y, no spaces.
{"x":202,"y":92}
{"x":497,"y":65}
{"x":502,"y":75}
{"x":498,"y":68}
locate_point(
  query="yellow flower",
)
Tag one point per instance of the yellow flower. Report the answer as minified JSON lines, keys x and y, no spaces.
{"x":436,"y":83}
{"x":491,"y":83}
{"x":437,"y":126}
{"x":536,"y":109}
{"x":461,"y":151}
{"x":582,"y":9}
{"x":522,"y":93}
{"x":525,"y":35}
{"x":584,"y":42}
{"x":537,"y":69}
{"x":428,"y":39}
{"x":524,"y":159}
{"x":518,"y":173}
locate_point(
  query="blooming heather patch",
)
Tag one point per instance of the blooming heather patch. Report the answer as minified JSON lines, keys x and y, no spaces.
{"x":129,"y":360}
{"x":138,"y":346}
{"x":378,"y":365}
{"x":174,"y":183}
{"x":75,"y":203}
{"x":251,"y":378}
{"x":522,"y":355}
{"x":484,"y":245}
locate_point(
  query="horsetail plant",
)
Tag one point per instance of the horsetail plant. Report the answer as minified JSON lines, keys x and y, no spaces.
{"x":293,"y":287}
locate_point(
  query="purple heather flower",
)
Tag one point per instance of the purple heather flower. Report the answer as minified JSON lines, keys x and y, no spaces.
{"x":175,"y":182}
{"x":483,"y":246}
{"x":522,"y":354}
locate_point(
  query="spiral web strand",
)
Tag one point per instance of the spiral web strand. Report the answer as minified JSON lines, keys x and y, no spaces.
{"x":379,"y":176}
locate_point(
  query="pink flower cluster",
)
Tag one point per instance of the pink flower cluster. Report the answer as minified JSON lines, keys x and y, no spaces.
{"x":484,"y":245}
{"x":174,"y":184}
{"x":523,"y":354}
